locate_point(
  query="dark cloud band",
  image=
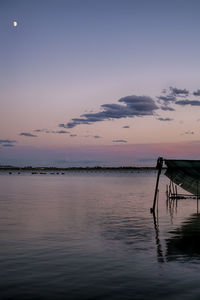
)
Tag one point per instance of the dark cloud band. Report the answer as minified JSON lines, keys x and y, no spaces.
{"x":179,"y":92}
{"x":165,"y":119}
{"x":119,"y":141}
{"x":167,"y":108}
{"x":196,"y":93}
{"x":8,"y":145}
{"x":7,"y":141}
{"x":51,"y":131}
{"x":27,"y":134}
{"x":188,"y":102}
{"x":131,"y":106}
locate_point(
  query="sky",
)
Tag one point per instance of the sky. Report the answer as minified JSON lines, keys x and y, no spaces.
{"x":109,"y":83}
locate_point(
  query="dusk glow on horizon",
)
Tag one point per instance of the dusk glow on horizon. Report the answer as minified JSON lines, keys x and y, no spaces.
{"x":99,"y":82}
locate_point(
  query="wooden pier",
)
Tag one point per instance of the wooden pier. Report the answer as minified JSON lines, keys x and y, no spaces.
{"x":182,"y":173}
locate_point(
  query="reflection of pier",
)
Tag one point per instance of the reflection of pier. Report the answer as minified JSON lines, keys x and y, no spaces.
{"x":158,"y":242}
{"x":184,"y":242}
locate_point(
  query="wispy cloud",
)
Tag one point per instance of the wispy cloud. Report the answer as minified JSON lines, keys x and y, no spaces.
{"x":126,"y":126}
{"x":196,"y":93}
{"x":7,"y":141}
{"x":167,"y":108}
{"x":188,"y":102}
{"x":51,"y":131}
{"x":165,"y":119}
{"x":27,"y":134}
{"x":97,"y":137}
{"x":175,"y":95}
{"x":60,"y":131}
{"x":171,"y":96}
{"x":73,"y":135}
{"x":167,"y":99}
{"x":131,"y":106}
{"x":189,"y":132}
{"x":119,"y":141}
{"x":8,"y":145}
{"x":41,"y":130}
{"x":179,"y":92}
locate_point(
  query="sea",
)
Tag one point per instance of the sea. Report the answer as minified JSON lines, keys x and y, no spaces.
{"x":90,"y":235}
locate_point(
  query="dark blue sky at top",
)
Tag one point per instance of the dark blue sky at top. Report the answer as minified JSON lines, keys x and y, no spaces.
{"x":97,"y":31}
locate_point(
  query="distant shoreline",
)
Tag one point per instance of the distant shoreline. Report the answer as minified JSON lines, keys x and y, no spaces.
{"x":57,"y":169}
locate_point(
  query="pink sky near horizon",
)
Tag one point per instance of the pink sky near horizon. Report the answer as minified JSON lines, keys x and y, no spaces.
{"x":113,"y":155}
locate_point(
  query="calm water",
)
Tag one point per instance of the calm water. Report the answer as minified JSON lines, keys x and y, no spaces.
{"x":91,"y":236}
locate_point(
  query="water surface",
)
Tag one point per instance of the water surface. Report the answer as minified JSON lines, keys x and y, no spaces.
{"x":91,"y":236}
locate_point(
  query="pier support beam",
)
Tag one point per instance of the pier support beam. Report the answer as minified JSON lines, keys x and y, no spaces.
{"x":159,"y":168}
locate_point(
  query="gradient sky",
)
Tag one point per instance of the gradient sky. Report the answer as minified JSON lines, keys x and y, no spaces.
{"x":99,"y":82}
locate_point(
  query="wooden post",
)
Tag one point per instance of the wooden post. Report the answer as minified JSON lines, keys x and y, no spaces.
{"x":159,"y":168}
{"x":167,"y":193}
{"x":170,"y":190}
{"x":157,"y":201}
{"x":197,"y":198}
{"x":173,"y":189}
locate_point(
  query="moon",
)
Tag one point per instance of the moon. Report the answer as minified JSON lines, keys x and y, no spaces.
{"x":15,"y":23}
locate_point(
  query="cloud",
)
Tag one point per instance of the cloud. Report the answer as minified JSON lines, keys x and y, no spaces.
{"x":62,"y":125}
{"x":90,"y":136}
{"x":119,"y":141}
{"x":178,"y":92}
{"x":61,"y":131}
{"x":131,"y":106}
{"x":73,"y":135}
{"x":164,"y":119}
{"x":51,"y":131}
{"x":40,"y":130}
{"x":188,"y":102}
{"x":97,"y":137}
{"x":189,"y":132}
{"x":8,"y":145}
{"x":167,"y":108}
{"x":7,"y":141}
{"x":27,"y":134}
{"x":126,"y":126}
{"x":197,"y":93}
{"x":168,"y":98}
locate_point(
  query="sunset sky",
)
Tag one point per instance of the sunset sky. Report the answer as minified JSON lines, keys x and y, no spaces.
{"x":87,"y":83}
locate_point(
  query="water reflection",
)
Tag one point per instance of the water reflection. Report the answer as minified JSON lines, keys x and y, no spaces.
{"x":90,"y":237}
{"x":171,"y":206}
{"x":129,"y":230}
{"x":183,"y":243}
{"x":185,"y":240}
{"x":160,"y":255}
